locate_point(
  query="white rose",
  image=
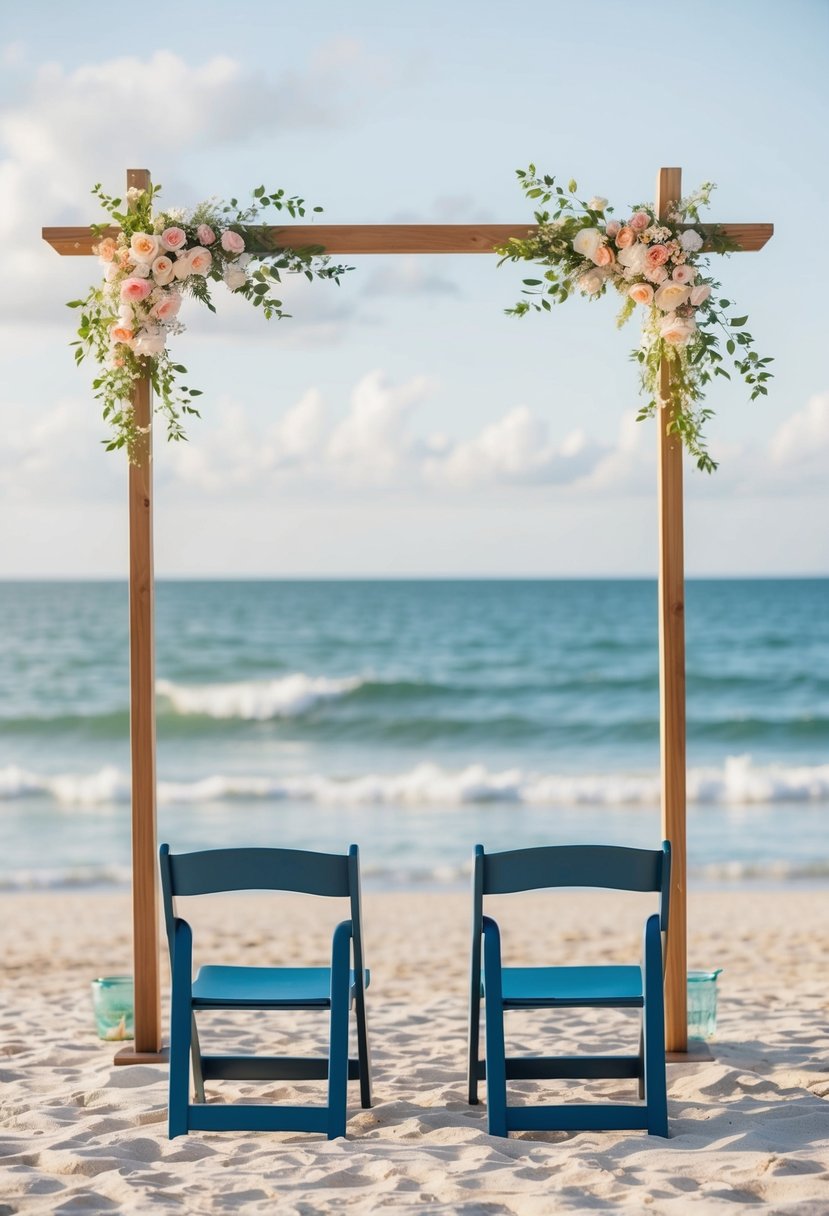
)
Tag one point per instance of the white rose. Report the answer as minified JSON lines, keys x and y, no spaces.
{"x":234,"y":278}
{"x":149,"y":342}
{"x":633,"y":258}
{"x":590,"y":282}
{"x":677,"y":330}
{"x":670,"y":295}
{"x":587,"y":242}
{"x":597,"y":204}
{"x":690,"y":240}
{"x":141,"y":270}
{"x":181,"y":266}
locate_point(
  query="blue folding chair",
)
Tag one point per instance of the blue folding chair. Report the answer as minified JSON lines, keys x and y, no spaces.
{"x":505,"y":988}
{"x":332,"y":988}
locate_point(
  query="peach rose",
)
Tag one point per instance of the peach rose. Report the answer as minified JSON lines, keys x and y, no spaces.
{"x":181,"y":266}
{"x":173,"y":238}
{"x":625,"y":237}
{"x":200,"y":260}
{"x":642,"y":293}
{"x":670,"y":295}
{"x":655,"y":274}
{"x":699,"y":294}
{"x":677,"y":330}
{"x":205,"y":234}
{"x":163,"y":270}
{"x":232,"y":242}
{"x":120,"y":333}
{"x":683,"y":274}
{"x":133,"y":289}
{"x":106,"y":249}
{"x":657,"y":255}
{"x":143,"y":246}
{"x":639,"y":221}
{"x":168,"y":307}
{"x":604,"y":256}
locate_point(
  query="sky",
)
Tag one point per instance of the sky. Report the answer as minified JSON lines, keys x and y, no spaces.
{"x":401,"y":424}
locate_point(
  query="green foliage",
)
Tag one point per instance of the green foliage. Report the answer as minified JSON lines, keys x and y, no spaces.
{"x":695,"y":361}
{"x":263,"y":264}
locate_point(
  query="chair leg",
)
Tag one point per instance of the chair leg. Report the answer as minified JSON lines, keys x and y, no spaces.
{"x":338,"y":1041}
{"x":641,"y":1079}
{"x":496,"y":1067}
{"x":363,"y":1049}
{"x":181,"y":1018}
{"x":195,"y":1052}
{"x":654,"y":1032}
{"x":474,"y":1038}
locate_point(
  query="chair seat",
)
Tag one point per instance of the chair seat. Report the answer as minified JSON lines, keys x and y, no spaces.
{"x":539,"y":987}
{"x":266,"y":987}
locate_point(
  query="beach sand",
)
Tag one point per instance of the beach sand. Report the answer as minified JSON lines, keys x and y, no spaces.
{"x":749,"y":1127}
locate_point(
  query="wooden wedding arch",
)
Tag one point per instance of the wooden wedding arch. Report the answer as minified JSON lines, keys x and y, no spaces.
{"x":390,"y":239}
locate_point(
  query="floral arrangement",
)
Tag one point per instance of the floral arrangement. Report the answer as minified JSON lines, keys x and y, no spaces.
{"x":658,"y":265}
{"x":150,"y":267}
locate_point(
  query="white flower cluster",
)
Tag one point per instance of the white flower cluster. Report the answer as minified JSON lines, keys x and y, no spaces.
{"x":649,"y":263}
{"x":145,"y":277}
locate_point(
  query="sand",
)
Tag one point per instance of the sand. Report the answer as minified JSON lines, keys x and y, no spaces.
{"x":749,"y":1127}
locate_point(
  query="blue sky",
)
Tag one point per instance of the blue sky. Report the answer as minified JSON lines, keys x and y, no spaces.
{"x":317,"y":450}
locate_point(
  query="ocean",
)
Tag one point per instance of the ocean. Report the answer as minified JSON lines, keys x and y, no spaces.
{"x":415,"y":718}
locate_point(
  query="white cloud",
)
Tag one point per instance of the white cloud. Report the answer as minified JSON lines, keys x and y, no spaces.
{"x":71,"y":128}
{"x":799,"y":449}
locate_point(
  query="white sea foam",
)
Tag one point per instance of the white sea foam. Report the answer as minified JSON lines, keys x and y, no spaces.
{"x":737,"y":783}
{"x":257,"y":700}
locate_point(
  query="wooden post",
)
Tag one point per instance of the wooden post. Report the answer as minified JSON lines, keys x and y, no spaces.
{"x":672,"y":677}
{"x":147,"y":1045}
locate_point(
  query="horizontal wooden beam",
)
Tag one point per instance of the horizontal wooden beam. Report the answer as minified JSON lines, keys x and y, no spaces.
{"x":387,"y":238}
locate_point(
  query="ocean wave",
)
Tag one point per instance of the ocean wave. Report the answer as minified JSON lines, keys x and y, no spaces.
{"x":256,"y":700}
{"x":737,"y":783}
{"x":63,"y":880}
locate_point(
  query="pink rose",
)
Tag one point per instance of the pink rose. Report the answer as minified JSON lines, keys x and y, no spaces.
{"x":639,"y":221}
{"x":699,"y":294}
{"x":173,"y":238}
{"x":163,"y":270}
{"x":205,"y":234}
{"x":612,"y":227}
{"x":625,"y":237}
{"x":603,"y":256}
{"x":232,"y":242}
{"x":200,"y":260}
{"x":143,"y":247}
{"x":655,"y":274}
{"x":135,"y":289}
{"x":642,"y":293}
{"x":167,"y":308}
{"x":683,"y":274}
{"x":657,"y":255}
{"x":181,"y":266}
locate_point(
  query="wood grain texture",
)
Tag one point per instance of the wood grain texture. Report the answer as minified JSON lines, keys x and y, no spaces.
{"x":672,"y":680}
{"x":142,"y":721}
{"x":387,"y":238}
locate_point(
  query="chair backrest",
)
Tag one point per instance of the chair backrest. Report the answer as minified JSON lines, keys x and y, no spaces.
{"x":582,"y":865}
{"x":211,"y":871}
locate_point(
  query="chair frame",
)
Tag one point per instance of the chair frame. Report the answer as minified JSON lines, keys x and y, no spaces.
{"x":244,"y":869}
{"x":597,"y":866}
